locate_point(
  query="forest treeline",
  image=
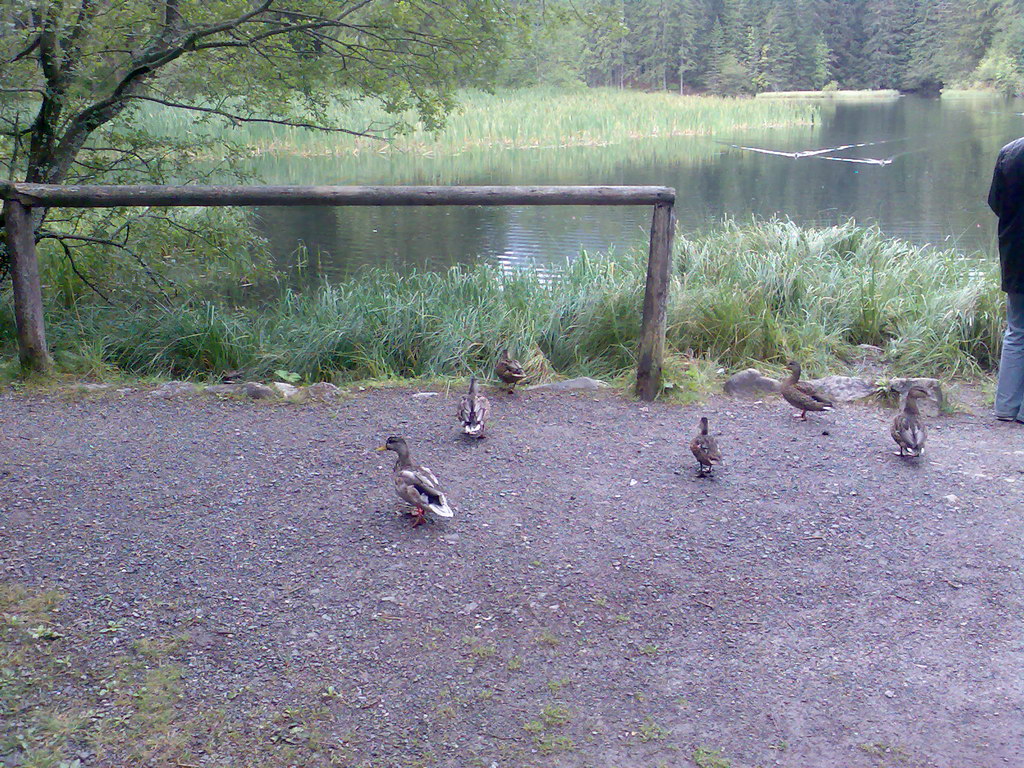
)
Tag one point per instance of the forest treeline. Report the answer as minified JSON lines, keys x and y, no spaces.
{"x":751,"y":46}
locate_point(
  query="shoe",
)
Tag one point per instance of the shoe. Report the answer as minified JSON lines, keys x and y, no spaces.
{"x":1007,"y":418}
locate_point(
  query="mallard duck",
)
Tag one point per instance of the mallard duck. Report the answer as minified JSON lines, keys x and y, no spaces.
{"x":509,"y":371}
{"x":473,"y":411}
{"x":705,"y":449}
{"x":802,"y":395}
{"x":416,"y":484}
{"x":907,"y":428}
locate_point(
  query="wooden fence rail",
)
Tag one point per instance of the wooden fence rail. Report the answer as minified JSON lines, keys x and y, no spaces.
{"x":19,"y":199}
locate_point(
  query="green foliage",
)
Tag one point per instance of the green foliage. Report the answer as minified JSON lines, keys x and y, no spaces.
{"x":746,"y":294}
{"x":742,"y":46}
{"x":76,"y":73}
{"x":123,"y":256}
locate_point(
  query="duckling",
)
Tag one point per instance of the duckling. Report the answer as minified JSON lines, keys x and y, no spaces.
{"x":509,"y":371}
{"x":802,"y":395}
{"x":473,"y":411}
{"x":416,"y":484}
{"x":907,"y":428}
{"x":705,"y":449}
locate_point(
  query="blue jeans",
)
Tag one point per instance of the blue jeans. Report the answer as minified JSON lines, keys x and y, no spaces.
{"x":1010,"y":389}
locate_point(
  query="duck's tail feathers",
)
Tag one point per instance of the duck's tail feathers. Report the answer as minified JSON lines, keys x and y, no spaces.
{"x":441,"y":510}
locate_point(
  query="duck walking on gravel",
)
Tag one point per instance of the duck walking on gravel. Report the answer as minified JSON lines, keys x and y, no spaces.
{"x":705,"y":449}
{"x":907,"y":428}
{"x":509,"y":370}
{"x":802,"y":395}
{"x":416,"y":484}
{"x":473,"y":411}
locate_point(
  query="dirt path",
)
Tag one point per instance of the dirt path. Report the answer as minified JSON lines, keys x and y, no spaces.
{"x":818,"y":603}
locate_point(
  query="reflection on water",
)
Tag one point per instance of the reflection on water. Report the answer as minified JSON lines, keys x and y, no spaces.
{"x":923,"y":175}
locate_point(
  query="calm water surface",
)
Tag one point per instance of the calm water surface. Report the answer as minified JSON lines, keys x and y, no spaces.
{"x":929,"y":166}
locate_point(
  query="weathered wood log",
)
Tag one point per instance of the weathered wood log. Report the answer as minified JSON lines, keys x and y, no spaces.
{"x":28,"y":295}
{"x":142,"y":195}
{"x":652,"y":332}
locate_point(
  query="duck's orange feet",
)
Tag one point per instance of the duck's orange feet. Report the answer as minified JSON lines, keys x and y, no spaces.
{"x":421,"y":517}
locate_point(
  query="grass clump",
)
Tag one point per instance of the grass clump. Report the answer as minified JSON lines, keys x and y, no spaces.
{"x":710,"y":758}
{"x":650,"y":730}
{"x":747,"y":294}
{"x":773,"y":290}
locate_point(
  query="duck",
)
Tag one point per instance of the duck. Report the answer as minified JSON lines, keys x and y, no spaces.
{"x":907,"y":428}
{"x":509,"y":370}
{"x":473,"y":411}
{"x":416,"y":484}
{"x":802,"y":395}
{"x":705,"y":449}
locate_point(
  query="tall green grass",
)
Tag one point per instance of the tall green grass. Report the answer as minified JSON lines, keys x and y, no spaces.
{"x":512,"y":119}
{"x":747,"y":294}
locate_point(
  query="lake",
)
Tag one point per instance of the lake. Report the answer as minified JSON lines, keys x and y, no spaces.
{"x":923,"y":176}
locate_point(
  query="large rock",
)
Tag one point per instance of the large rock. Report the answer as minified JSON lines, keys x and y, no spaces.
{"x":845,"y":389}
{"x":284,"y":389}
{"x":750,"y":383}
{"x":222,"y":390}
{"x":171,"y":389}
{"x":933,"y":405}
{"x":258,"y":391}
{"x":582,"y":382}
{"x":322,"y":390}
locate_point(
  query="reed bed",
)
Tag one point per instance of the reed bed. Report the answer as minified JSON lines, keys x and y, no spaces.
{"x":511,"y":119}
{"x":756,"y":293}
{"x":840,"y":95}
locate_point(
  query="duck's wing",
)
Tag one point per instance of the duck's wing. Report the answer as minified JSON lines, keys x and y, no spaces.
{"x":799,"y":399}
{"x":908,"y":432}
{"x":483,"y":408}
{"x":705,"y":449}
{"x":898,"y":430}
{"x":465,"y":407}
{"x":509,"y":370}
{"x":812,"y":393}
{"x":419,"y":486}
{"x":711,"y":446}
{"x":697,"y":449}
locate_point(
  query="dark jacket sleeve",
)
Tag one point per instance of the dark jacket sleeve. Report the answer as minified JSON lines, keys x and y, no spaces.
{"x":995,"y":192}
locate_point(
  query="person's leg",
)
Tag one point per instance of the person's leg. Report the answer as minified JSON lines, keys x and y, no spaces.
{"x":1010,"y":388}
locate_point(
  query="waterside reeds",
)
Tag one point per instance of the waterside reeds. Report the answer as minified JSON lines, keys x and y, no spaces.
{"x":509,"y":119}
{"x":747,"y":294}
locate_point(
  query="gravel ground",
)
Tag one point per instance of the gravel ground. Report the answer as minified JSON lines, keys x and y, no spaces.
{"x":818,"y":602}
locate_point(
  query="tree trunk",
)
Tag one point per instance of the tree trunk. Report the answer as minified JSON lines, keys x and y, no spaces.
{"x":28,"y":295}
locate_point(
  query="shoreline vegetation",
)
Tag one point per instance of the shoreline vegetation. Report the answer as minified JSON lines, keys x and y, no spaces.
{"x":527,"y":118}
{"x":883,"y":93}
{"x":746,"y":294}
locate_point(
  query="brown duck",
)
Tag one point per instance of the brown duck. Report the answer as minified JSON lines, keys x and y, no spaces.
{"x":509,"y":371}
{"x":416,"y":484}
{"x":802,"y":395}
{"x":705,"y":449}
{"x":473,"y":411}
{"x":907,"y":428}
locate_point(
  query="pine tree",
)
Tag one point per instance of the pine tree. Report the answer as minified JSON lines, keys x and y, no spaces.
{"x":842,"y":23}
{"x":887,"y":46}
{"x":693,"y":52}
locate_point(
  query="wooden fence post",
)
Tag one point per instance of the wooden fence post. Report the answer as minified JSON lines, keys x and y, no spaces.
{"x":652,"y":332}
{"x":28,"y":295}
